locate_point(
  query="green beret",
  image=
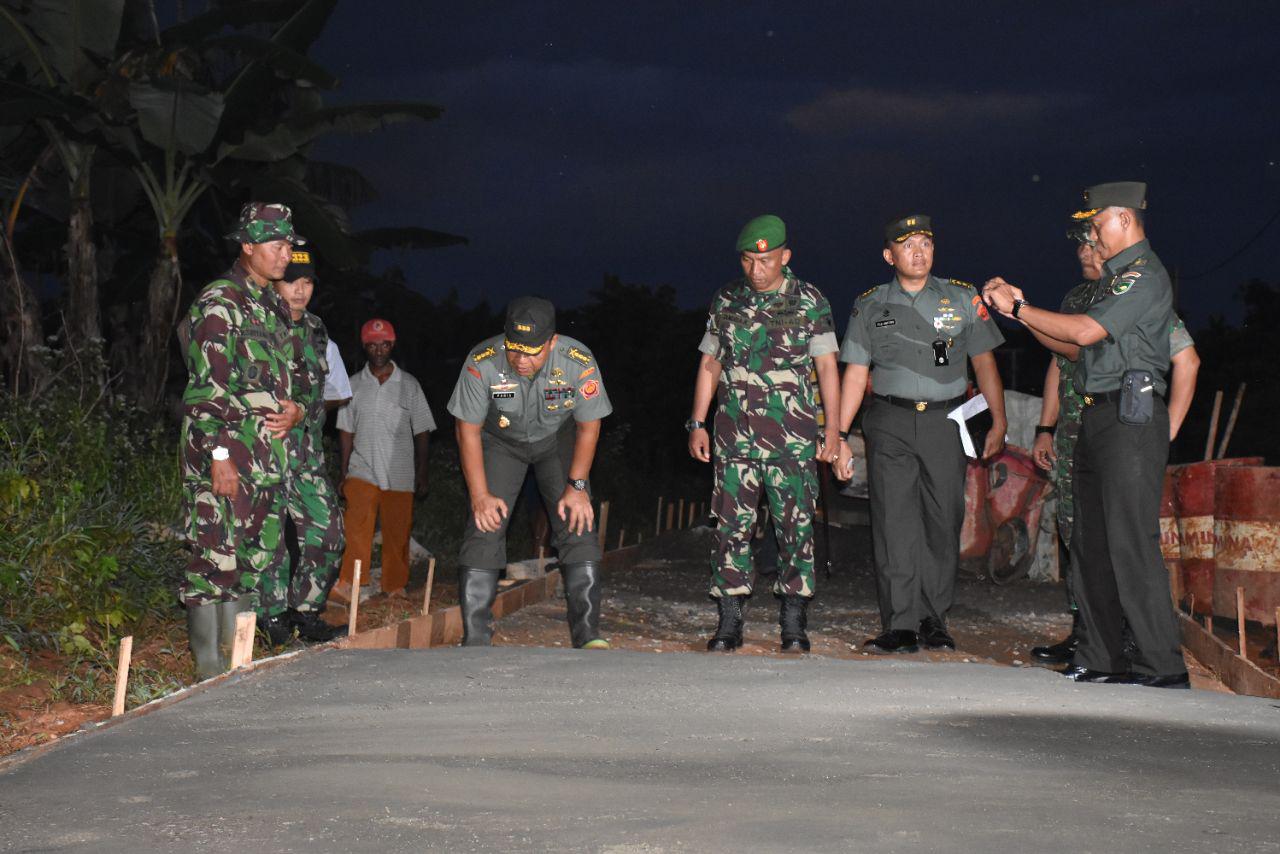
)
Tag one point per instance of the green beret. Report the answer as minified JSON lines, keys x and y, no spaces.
{"x":900,"y":229}
{"x":1117,"y":194}
{"x":763,"y":234}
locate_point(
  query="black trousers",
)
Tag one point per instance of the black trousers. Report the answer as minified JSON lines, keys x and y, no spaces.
{"x":915,"y":473}
{"x":1115,"y":544}
{"x":505,"y":465}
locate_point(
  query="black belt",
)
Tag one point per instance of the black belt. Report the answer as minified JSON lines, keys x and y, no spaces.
{"x":921,"y":405}
{"x":1095,"y":397}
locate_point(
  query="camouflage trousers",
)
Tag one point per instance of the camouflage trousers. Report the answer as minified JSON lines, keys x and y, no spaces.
{"x":312,"y":504}
{"x":233,"y":540}
{"x":790,"y":486}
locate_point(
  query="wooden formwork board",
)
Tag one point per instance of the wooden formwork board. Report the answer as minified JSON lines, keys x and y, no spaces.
{"x":1238,"y":674}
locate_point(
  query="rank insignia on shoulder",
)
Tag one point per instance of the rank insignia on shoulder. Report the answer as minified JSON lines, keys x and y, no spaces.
{"x":579,"y":356}
{"x":484,"y":354}
{"x":958,"y":283}
{"x":868,"y":292}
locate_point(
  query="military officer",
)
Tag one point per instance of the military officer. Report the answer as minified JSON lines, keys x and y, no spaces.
{"x":529,"y":397}
{"x":310,"y":498}
{"x":765,"y":334}
{"x":1059,"y":427}
{"x":238,"y":410}
{"x":1121,"y":343}
{"x":919,"y":332}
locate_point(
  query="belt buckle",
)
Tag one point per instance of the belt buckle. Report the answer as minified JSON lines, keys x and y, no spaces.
{"x":921,"y":405}
{"x":1088,"y":400}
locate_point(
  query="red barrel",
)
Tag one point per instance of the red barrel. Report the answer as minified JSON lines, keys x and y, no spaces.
{"x":1195,"y":493}
{"x":1247,"y":530}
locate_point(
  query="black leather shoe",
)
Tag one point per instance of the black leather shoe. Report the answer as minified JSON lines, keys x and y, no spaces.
{"x":1076,"y":673}
{"x":277,"y":629}
{"x":793,"y":620}
{"x":312,"y":629}
{"x":1058,"y":653}
{"x":895,"y":640}
{"x":1147,"y":680}
{"x":728,"y":636}
{"x":934,"y":634}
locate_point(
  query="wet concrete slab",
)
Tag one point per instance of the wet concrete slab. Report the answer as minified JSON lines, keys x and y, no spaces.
{"x":555,"y":750}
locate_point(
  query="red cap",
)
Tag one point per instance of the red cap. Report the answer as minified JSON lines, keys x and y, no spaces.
{"x":377,"y":330}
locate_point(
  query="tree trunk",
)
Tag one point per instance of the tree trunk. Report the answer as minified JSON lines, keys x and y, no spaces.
{"x":162,"y":298}
{"x":20,"y":321}
{"x":83,"y":321}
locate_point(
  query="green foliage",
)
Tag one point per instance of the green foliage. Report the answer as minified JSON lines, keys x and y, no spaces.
{"x":81,"y":480}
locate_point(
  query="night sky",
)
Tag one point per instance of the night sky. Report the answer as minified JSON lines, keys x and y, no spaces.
{"x":585,"y":138}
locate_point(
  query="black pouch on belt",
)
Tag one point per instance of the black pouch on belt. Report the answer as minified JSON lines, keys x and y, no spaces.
{"x":1137,"y":396}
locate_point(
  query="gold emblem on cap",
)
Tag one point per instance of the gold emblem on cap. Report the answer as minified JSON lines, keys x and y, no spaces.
{"x":504,"y":422}
{"x":910,"y":220}
{"x":523,"y":327}
{"x":762,"y":245}
{"x":300,"y":258}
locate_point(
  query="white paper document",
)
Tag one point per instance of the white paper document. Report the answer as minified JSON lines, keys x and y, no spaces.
{"x":963,"y":413}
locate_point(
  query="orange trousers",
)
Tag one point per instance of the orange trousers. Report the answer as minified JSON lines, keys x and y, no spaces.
{"x":364,"y":502}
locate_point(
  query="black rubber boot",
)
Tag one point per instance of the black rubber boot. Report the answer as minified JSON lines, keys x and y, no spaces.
{"x":582,"y":600}
{"x":312,"y":629}
{"x":227,"y":613}
{"x":793,"y":619}
{"x":202,"y":635}
{"x":1063,"y":651}
{"x":477,"y":589}
{"x":728,"y":636}
{"x":277,"y":628}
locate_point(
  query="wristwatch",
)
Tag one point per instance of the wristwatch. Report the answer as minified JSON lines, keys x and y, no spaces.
{"x":221,"y":454}
{"x":1044,"y":428}
{"x":694,"y":424}
{"x":844,"y":435}
{"x":1017,"y":306}
{"x":579,"y":484}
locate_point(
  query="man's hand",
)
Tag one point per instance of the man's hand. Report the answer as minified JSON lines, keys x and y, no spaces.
{"x":226,"y":477}
{"x":489,"y":511}
{"x":420,"y":485}
{"x":700,"y":445}
{"x":1042,"y":451}
{"x":1000,"y":295}
{"x":575,"y":508}
{"x":843,"y":467}
{"x":829,"y":444}
{"x":289,"y":416}
{"x":995,"y":440}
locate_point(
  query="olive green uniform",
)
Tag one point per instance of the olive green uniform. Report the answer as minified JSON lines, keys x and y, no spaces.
{"x":915,"y":462}
{"x":1119,"y":469}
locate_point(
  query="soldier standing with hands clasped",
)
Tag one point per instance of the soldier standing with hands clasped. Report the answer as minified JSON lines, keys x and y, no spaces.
{"x":238,"y":411}
{"x":765,"y":334}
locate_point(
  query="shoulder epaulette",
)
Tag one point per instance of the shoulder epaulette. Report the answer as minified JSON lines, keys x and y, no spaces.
{"x":960,"y":284}
{"x":486,"y":353}
{"x":869,"y":292}
{"x":578,"y":356}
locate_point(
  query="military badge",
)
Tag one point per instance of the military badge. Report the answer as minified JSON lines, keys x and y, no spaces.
{"x":762,"y":245}
{"x":504,"y":422}
{"x":557,"y":373}
{"x":590,"y":389}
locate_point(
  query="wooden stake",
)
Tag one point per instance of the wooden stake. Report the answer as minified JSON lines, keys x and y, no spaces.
{"x":671,"y":512}
{"x":431,"y":577}
{"x":657,"y":523}
{"x":1244,"y":649}
{"x":1278,"y":633}
{"x":542,"y":561}
{"x":622,"y":535}
{"x":355,"y":601}
{"x":242,"y":646}
{"x":693,"y":511}
{"x":1191,"y":604}
{"x":1213,"y":425}
{"x":1231,"y":422}
{"x":680,"y":515}
{"x":122,"y":675}
{"x":604,"y":522}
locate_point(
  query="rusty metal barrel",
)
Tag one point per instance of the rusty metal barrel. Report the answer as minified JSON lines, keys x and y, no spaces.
{"x":1195,"y":494}
{"x":1247,"y":530}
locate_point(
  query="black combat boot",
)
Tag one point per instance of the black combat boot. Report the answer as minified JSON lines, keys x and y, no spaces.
{"x":202,"y":634}
{"x":582,"y":598}
{"x":227,"y":612}
{"x":793,"y":618}
{"x":1064,"y":650}
{"x":277,"y":628}
{"x":312,"y":629}
{"x":728,"y":636}
{"x":477,"y":588}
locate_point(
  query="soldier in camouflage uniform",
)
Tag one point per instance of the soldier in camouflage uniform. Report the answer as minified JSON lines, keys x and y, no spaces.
{"x":1060,"y":414}
{"x":238,"y":410}
{"x":766,"y":332}
{"x":921,"y":333}
{"x":311,"y":501}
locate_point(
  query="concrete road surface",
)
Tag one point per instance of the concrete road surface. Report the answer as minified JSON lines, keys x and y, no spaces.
{"x":555,"y":750}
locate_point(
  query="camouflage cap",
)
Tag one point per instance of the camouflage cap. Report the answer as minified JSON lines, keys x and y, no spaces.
{"x":763,"y":234}
{"x":263,"y":222}
{"x":900,"y":229}
{"x":302,"y":265}
{"x":1117,"y":194}
{"x":530,"y":322}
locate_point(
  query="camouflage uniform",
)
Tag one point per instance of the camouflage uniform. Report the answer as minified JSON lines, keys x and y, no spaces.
{"x":241,"y":360}
{"x":766,"y":427}
{"x":310,"y":499}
